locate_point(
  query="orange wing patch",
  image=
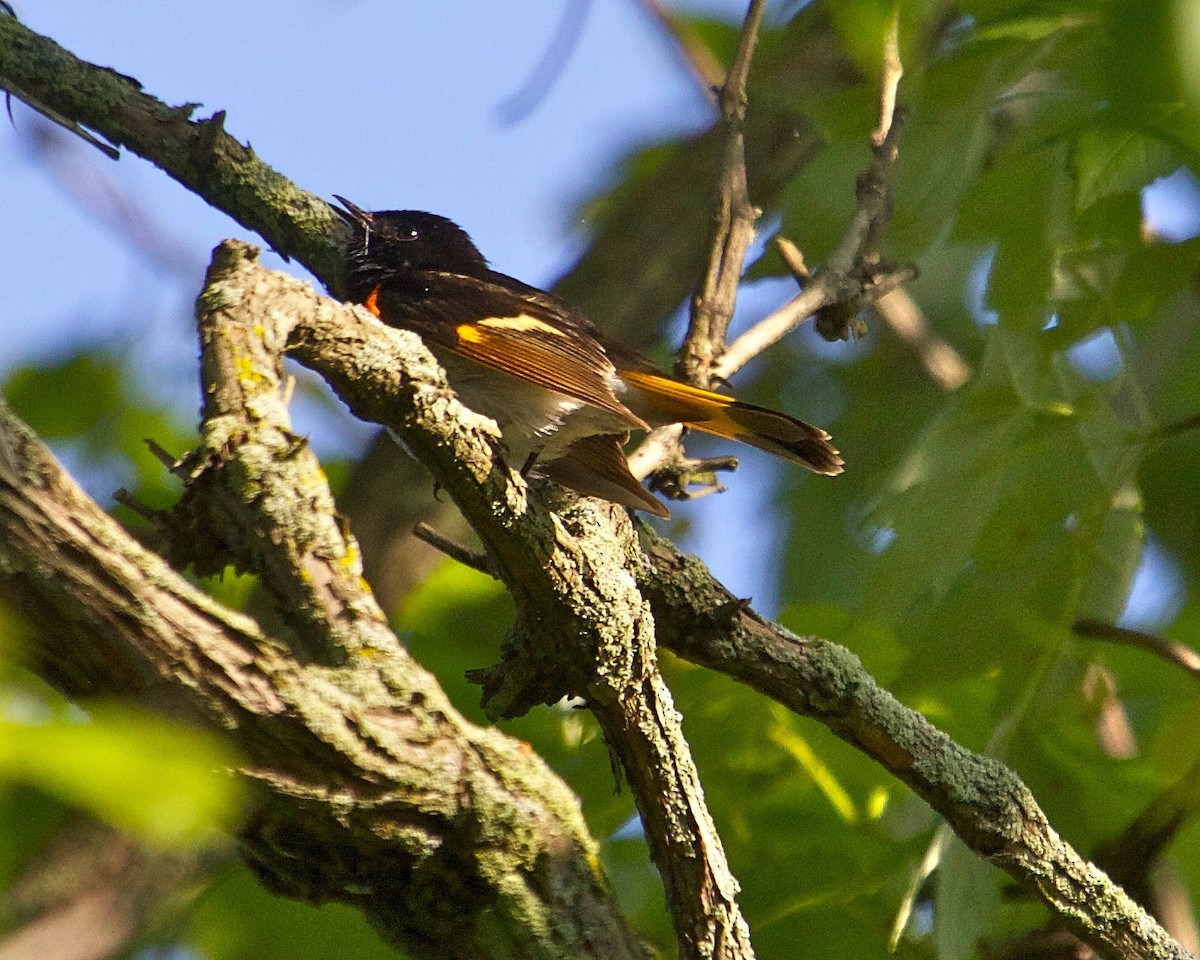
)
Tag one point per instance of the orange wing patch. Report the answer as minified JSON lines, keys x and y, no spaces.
{"x":469,"y":333}
{"x":660,"y":385}
{"x":664,"y":400}
{"x":669,"y":401}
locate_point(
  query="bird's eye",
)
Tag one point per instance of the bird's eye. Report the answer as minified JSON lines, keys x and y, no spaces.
{"x":412,"y":234}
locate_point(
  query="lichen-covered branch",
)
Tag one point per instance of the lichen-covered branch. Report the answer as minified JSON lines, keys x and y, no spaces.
{"x":583,"y":630}
{"x":373,"y":791}
{"x":696,"y":618}
{"x":197,"y":153}
{"x":985,"y":803}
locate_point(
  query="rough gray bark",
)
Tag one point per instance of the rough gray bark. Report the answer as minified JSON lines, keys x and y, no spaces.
{"x":371,"y":789}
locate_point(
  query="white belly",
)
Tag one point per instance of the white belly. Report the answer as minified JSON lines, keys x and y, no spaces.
{"x":532,"y":419}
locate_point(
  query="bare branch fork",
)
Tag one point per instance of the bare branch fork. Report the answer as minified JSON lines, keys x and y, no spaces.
{"x":852,"y":277}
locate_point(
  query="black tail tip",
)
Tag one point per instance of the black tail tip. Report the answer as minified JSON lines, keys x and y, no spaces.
{"x":820,"y":456}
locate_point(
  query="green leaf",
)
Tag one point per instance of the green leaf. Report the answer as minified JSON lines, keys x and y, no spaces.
{"x":170,"y":785}
{"x":70,"y":398}
{"x":1153,"y":273}
{"x":861,"y":25}
{"x":1116,"y":556}
{"x":1028,"y":28}
{"x":92,"y":403}
{"x":1020,"y":207}
{"x":1011,"y":488}
{"x":236,"y":918}
{"x":1110,"y":160}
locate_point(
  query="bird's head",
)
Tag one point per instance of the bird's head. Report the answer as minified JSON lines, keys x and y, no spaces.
{"x":402,"y":242}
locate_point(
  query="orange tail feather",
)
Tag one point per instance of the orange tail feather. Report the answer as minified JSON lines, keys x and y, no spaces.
{"x":660,"y":400}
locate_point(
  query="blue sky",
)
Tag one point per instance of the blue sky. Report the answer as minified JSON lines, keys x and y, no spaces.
{"x":392,"y":104}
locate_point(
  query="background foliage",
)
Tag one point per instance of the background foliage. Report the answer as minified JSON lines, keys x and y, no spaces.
{"x":1046,"y":192}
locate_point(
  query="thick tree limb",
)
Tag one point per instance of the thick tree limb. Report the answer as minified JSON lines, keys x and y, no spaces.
{"x":373,"y":790}
{"x":584,"y":629}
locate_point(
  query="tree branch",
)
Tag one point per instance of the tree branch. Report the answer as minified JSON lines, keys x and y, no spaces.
{"x":584,"y":629}
{"x":1178,"y":654}
{"x":846,"y":279}
{"x":733,"y":219}
{"x":982,"y":800}
{"x":373,"y":791}
{"x":199,"y":154}
{"x":889,"y":84}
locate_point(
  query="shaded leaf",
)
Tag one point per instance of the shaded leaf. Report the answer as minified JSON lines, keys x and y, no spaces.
{"x":1109,"y":160}
{"x":169,"y":785}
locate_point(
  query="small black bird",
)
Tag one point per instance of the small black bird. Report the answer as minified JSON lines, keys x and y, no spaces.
{"x":564,"y":396}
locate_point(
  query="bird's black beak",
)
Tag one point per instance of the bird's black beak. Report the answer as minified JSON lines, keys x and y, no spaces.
{"x":354,"y":215}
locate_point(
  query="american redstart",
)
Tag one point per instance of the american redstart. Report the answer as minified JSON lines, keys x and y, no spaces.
{"x":564,"y":396}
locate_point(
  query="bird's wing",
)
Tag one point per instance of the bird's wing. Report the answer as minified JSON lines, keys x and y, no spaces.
{"x":500,"y":326}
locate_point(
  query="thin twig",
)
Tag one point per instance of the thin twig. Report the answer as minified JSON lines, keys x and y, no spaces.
{"x":1177,"y":653}
{"x":163,"y":456}
{"x":774,"y":327}
{"x":794,"y":259}
{"x":905,"y":318}
{"x":733,"y":221}
{"x":853,"y":265}
{"x":733,"y":229}
{"x":846,"y":277}
{"x":893,"y":70}
{"x":692,"y":50}
{"x":842,"y":278}
{"x":655,"y":450}
{"x":1179,"y":426}
{"x":455,"y":551}
{"x":127,"y":499}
